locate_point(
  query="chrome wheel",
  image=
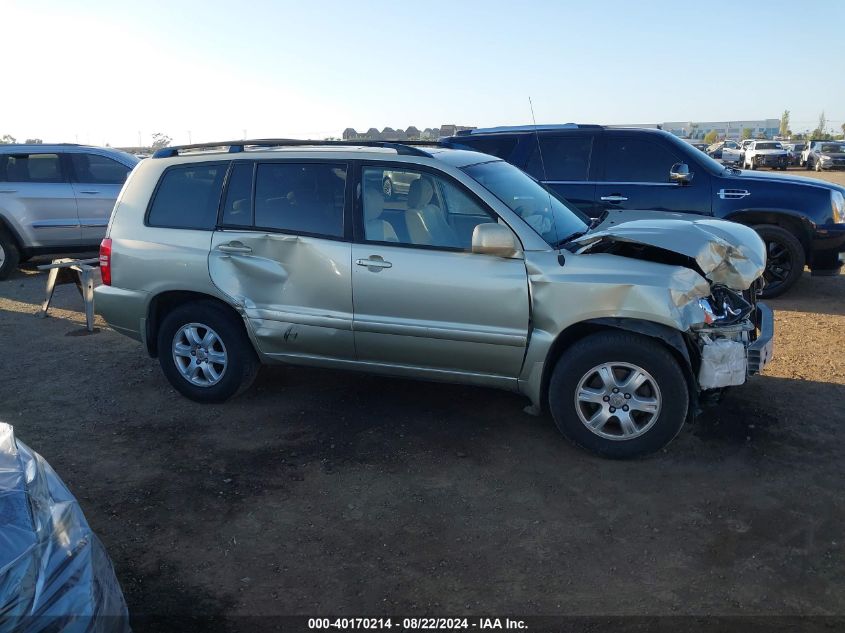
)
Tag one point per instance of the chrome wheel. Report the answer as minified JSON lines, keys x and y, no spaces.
{"x":199,"y":354}
{"x":618,"y":401}
{"x":387,"y":188}
{"x":2,"y":255}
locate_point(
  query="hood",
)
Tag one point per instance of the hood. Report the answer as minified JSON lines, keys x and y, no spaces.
{"x":770,"y":151}
{"x":727,"y":253}
{"x":768,"y":177}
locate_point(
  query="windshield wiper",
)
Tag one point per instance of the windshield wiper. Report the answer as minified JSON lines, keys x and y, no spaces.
{"x":573,"y":236}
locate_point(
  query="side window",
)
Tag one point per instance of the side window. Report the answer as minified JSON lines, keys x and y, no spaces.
{"x":188,"y":197}
{"x":31,"y":168}
{"x":564,"y":157}
{"x":96,"y":169}
{"x":637,"y":160}
{"x":419,"y":209}
{"x":237,"y":210}
{"x":301,"y":197}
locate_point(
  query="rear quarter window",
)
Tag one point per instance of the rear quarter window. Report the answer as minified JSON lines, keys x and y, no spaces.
{"x":187,"y":197}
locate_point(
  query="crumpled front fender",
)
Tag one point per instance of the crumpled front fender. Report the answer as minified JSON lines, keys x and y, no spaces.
{"x":589,"y":287}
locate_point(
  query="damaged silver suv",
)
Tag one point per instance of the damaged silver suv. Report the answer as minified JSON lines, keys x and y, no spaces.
{"x":221,"y":257}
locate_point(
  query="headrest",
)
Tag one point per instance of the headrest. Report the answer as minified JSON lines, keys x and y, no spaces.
{"x":420,"y":193}
{"x":373,"y":203}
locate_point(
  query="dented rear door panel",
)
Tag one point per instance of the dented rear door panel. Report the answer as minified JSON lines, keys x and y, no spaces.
{"x":296,"y":291}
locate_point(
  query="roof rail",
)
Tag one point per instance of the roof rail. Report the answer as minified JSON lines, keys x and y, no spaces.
{"x":402,"y":148}
{"x":524,"y":128}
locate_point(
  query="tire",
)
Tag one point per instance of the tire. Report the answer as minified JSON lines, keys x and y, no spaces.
{"x":387,"y":188}
{"x":818,"y":165}
{"x":240,"y":364}
{"x":9,"y":254}
{"x":627,"y":353}
{"x":785,"y":259}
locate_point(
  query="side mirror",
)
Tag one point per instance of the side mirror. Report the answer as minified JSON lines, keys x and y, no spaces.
{"x":494,"y":239}
{"x":680,"y":173}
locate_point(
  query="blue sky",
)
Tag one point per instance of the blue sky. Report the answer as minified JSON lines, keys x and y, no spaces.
{"x":104,"y":71}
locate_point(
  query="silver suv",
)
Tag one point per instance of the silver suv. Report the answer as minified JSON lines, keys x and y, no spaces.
{"x":56,"y":198}
{"x":221,"y":258}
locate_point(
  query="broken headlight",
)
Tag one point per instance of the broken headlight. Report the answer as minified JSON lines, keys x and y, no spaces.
{"x":725,"y":307}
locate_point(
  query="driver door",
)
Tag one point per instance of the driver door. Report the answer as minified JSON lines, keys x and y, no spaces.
{"x":422,"y":299}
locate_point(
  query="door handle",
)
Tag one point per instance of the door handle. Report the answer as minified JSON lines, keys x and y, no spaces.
{"x":374,"y":262}
{"x":234,"y":247}
{"x":614,"y":198}
{"x":89,"y":192}
{"x":8,"y":190}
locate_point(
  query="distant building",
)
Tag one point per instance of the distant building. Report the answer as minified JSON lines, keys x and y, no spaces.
{"x":412,"y":133}
{"x":727,"y":129}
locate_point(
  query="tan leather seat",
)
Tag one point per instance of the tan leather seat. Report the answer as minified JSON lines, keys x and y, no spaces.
{"x":376,"y":229}
{"x":425,"y":221}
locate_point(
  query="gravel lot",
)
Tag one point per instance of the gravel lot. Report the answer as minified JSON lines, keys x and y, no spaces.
{"x":320,"y":492}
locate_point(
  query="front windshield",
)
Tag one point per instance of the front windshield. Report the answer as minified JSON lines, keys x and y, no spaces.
{"x":768,"y":146}
{"x":553,"y":218}
{"x":833,"y":148}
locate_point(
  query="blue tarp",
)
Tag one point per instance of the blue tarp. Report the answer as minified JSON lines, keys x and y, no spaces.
{"x":55,"y":574}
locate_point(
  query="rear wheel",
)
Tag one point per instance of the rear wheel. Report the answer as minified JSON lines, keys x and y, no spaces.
{"x":785,"y":259}
{"x":9,"y":254}
{"x":205,"y":353}
{"x":618,"y":394}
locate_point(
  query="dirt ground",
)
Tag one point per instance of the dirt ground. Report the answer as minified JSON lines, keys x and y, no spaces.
{"x":328,"y":493}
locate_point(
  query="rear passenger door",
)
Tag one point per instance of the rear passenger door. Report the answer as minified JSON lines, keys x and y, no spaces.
{"x":281,"y":251}
{"x":635,"y":175}
{"x":34,"y":188}
{"x":96,"y":181}
{"x":563,"y":162}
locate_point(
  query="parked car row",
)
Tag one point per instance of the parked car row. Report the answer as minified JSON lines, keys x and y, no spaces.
{"x":822,"y":155}
{"x":624,"y":283}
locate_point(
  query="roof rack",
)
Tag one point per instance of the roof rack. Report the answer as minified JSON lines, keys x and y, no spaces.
{"x":524,"y":128}
{"x":406,"y":148}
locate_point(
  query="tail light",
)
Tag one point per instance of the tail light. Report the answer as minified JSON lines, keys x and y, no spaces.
{"x":105,"y":261}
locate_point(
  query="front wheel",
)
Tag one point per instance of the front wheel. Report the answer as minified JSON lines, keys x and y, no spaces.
{"x":618,"y":394}
{"x":785,"y":259}
{"x":818,"y":164}
{"x":205,"y":353}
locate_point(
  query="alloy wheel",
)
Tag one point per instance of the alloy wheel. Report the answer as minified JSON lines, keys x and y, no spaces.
{"x":618,"y":401}
{"x":199,"y":354}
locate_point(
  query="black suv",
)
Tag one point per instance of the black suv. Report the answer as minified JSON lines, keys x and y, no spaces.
{"x":600,"y":168}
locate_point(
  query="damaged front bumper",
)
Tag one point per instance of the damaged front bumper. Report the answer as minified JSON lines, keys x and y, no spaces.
{"x":730,"y":354}
{"x":761,"y":350}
